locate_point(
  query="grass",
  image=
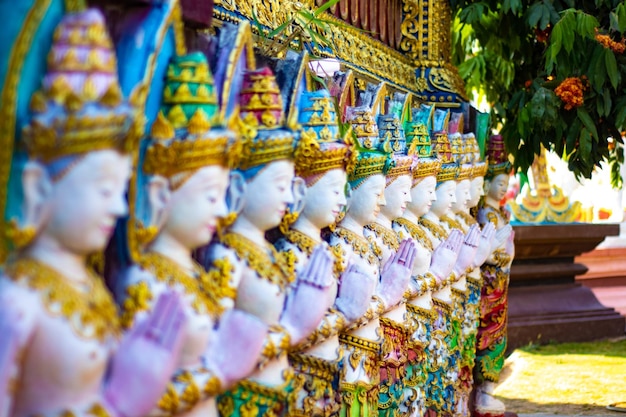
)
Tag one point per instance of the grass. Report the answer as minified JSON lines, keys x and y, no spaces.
{"x":569,"y":378}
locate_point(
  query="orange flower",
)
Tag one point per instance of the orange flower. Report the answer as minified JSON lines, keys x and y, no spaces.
{"x":607,"y":42}
{"x":571,"y":91}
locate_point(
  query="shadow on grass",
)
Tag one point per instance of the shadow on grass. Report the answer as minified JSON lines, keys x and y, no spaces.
{"x":521,"y":406}
{"x":613,"y":348}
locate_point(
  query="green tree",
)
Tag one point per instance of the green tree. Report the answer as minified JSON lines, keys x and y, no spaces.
{"x":554,"y":72}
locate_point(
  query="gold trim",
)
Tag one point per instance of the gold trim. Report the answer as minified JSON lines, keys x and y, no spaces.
{"x":21,"y":46}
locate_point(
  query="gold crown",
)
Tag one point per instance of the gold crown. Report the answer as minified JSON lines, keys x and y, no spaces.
{"x":311,"y":158}
{"x":401,"y":165}
{"x":448,"y":172}
{"x":169,"y":156}
{"x":465,"y":172}
{"x":426,"y":168}
{"x":183,"y":95}
{"x":365,"y":129}
{"x":70,"y":118}
{"x":265,"y":150}
{"x":192,"y":72}
{"x":367,"y":164}
{"x":480,"y":169}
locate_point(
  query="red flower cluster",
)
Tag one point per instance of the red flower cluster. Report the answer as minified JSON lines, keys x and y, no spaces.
{"x":607,"y":42}
{"x":570,"y":91}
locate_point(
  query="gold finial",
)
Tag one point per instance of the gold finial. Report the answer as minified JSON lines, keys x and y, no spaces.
{"x":199,"y":123}
{"x":161,"y":128}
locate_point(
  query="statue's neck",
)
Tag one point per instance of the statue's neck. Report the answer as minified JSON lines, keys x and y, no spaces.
{"x":50,"y":252}
{"x":305,"y":226}
{"x":166,"y":245}
{"x":246,"y":228}
{"x":431,"y":215}
{"x":410,"y":216}
{"x":351,"y":224}
{"x":383,"y":220}
{"x":492,"y":202}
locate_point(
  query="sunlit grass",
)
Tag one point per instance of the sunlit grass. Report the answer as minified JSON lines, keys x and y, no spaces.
{"x":571,"y":378}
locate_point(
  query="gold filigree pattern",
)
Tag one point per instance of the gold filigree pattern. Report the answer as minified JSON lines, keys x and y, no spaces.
{"x":169,"y":272}
{"x":268,"y":264}
{"x":416,"y":233}
{"x":388,"y":236}
{"x":363,"y":351}
{"x":452,"y":223}
{"x":467,"y":218}
{"x":437,"y":231}
{"x":361,"y":246}
{"x":91,"y":313}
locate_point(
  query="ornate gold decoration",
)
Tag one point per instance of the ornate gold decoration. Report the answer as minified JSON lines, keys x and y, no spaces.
{"x":288,"y":219}
{"x":169,"y":159}
{"x":350,"y":45}
{"x":260,"y":152}
{"x":20,"y":236}
{"x":436,"y":230}
{"x":146,"y":235}
{"x":362,"y":350}
{"x":138,"y":298}
{"x":311,"y":159}
{"x":467,"y":218}
{"x":480,"y":169}
{"x":367,"y":164}
{"x":200,"y":286}
{"x":448,"y":172}
{"x":91,"y":312}
{"x":416,"y":233}
{"x":268,"y":264}
{"x":359,"y":244}
{"x":388,"y":236}
{"x":452,"y":223}
{"x":426,"y":168}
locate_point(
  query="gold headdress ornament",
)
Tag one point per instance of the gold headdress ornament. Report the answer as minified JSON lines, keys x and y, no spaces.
{"x":197,"y":143}
{"x":265,"y":139}
{"x":320,"y":148}
{"x":419,"y":141}
{"x":449,"y":169}
{"x":80,"y":107}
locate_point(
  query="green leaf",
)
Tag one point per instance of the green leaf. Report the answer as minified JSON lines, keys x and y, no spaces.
{"x":280,"y":28}
{"x":572,"y":135}
{"x":535,"y":13}
{"x":584,"y":144}
{"x":586,"y":24}
{"x":620,"y":118}
{"x":584,"y":117}
{"x":611,"y":68}
{"x":325,"y":6}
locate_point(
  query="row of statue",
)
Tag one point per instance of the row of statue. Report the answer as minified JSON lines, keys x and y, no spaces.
{"x":266,"y":261}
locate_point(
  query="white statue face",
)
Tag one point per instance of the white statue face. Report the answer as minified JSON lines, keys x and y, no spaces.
{"x":463,"y":196}
{"x":423,"y":195}
{"x":476,"y":191}
{"x":325,"y":199}
{"x":83,"y":206}
{"x":268,"y":194}
{"x":397,"y":197}
{"x":195,"y":206}
{"x":496,"y":188}
{"x":366,"y":201}
{"x":446,"y":196}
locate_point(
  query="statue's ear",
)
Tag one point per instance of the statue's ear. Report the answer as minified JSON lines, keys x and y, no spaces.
{"x":299,"y":194}
{"x":37,"y":186}
{"x":236,"y":192}
{"x":159,"y":196}
{"x":486,"y":185}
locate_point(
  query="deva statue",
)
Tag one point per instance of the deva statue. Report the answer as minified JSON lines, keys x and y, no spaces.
{"x":491,"y":339}
{"x":183,"y":182}
{"x":261,"y":281}
{"x":62,"y":352}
